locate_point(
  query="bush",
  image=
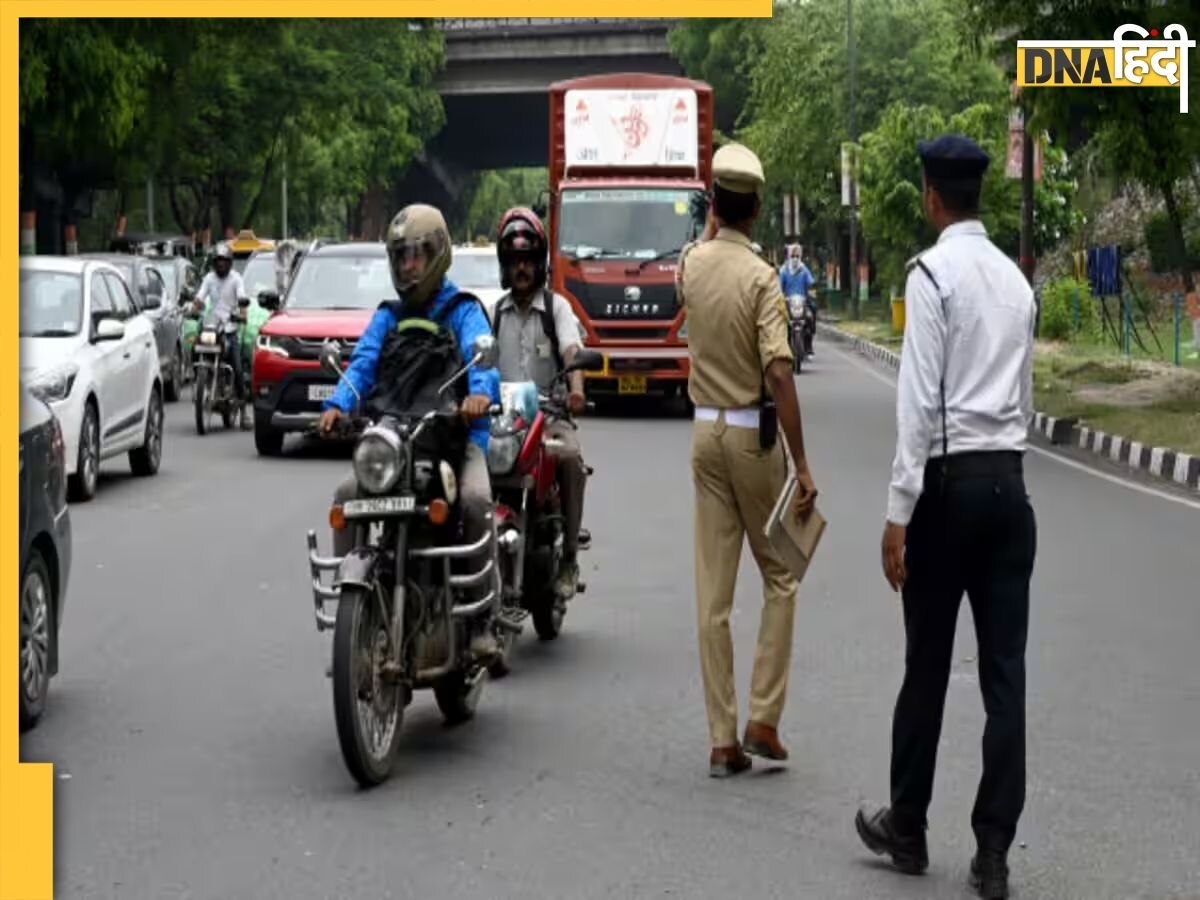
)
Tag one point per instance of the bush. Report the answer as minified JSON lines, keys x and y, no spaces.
{"x":1160,"y":240}
{"x":1058,"y":311}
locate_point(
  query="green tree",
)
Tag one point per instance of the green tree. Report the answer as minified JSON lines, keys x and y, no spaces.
{"x":1140,"y":133}
{"x":493,"y":192}
{"x":721,"y":52}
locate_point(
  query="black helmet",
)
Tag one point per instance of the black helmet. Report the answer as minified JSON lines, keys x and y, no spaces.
{"x":521,"y":234}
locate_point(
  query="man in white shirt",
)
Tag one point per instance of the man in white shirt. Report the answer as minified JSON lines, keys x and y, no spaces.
{"x":958,"y":517}
{"x":225,"y":288}
{"x":537,"y":336}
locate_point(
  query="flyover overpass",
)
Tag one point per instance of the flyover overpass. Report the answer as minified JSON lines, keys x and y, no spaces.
{"x":495,"y":90}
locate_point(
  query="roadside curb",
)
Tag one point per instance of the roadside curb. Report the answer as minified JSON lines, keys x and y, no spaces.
{"x":1161,"y":462}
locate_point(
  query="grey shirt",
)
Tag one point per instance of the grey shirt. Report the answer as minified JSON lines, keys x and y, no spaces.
{"x":525,"y":350}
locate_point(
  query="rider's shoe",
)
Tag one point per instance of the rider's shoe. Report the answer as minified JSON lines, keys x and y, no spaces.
{"x":567,"y":582}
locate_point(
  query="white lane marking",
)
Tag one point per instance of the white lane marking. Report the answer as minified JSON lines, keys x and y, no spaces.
{"x":1070,"y":463}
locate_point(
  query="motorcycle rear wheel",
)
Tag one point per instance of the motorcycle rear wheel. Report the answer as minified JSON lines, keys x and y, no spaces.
{"x":360,"y":643}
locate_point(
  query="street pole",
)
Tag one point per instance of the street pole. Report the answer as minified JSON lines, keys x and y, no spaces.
{"x":285,"y":222}
{"x":853,"y":280}
{"x":1027,"y":263}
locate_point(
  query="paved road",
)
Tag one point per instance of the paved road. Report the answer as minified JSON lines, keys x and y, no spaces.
{"x":193,"y":717}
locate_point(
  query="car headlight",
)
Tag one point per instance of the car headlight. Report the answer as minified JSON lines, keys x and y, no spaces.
{"x":377,"y":460}
{"x":502,"y":453}
{"x":272,"y":345}
{"x":55,"y":384}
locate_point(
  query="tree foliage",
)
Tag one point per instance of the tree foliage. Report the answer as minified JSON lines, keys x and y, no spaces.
{"x":722,"y":53}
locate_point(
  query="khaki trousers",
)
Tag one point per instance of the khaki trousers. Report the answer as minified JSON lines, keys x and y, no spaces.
{"x":737,"y":485}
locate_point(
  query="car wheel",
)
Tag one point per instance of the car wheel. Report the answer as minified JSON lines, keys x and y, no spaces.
{"x":174,"y":386}
{"x":37,"y":619}
{"x":87,"y":465}
{"x":146,"y":458}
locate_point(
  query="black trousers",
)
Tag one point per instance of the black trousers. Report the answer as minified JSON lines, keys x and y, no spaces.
{"x":972,"y":531}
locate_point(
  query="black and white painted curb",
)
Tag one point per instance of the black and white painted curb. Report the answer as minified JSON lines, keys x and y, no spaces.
{"x":1161,"y":462}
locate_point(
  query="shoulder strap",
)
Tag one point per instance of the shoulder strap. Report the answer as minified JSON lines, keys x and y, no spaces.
{"x":549,"y":327}
{"x":454,"y":302}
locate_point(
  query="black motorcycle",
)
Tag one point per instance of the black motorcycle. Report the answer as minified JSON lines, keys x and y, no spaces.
{"x":403,"y":620}
{"x":214,"y":387}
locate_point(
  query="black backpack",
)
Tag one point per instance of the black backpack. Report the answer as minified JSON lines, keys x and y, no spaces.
{"x":548,"y":325}
{"x":418,"y":356}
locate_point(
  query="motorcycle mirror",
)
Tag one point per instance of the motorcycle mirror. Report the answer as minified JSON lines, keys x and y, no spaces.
{"x":331,"y":359}
{"x":485,"y":351}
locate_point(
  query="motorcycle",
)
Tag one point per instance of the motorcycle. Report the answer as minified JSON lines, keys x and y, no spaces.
{"x":803,"y":326}
{"x":523,"y":464}
{"x":214,"y":388}
{"x":402,"y":622}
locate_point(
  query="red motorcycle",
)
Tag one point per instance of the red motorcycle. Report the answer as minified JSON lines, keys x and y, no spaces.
{"x":523,"y":463}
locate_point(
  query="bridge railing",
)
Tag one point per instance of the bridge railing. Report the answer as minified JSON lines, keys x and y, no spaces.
{"x":476,"y":26}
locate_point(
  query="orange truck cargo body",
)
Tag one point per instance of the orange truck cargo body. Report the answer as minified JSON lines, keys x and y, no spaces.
{"x":629,"y":153}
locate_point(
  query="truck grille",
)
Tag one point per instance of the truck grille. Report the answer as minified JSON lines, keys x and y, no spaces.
{"x":609,"y":301}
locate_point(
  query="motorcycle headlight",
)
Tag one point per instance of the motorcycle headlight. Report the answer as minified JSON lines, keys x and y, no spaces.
{"x":378,"y":457}
{"x":208,"y":338}
{"x":54,"y":385}
{"x":502,"y":453}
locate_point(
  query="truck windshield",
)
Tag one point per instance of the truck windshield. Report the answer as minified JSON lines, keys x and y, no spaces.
{"x":626,"y":223}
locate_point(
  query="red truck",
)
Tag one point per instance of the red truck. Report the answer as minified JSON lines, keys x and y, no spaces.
{"x":630,"y":154}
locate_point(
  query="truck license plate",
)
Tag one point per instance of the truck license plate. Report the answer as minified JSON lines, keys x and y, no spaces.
{"x":631,"y":384}
{"x":320,"y":391}
{"x":378,"y":506}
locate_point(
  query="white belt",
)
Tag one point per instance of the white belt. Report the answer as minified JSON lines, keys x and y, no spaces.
{"x":746,"y":417}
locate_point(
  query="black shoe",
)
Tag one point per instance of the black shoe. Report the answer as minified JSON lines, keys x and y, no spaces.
{"x":908,"y":851}
{"x":989,"y":874}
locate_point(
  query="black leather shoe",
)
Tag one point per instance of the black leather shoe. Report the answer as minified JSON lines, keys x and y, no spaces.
{"x":989,"y":874}
{"x":908,"y":851}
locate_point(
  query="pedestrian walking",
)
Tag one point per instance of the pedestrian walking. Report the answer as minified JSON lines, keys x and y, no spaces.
{"x":958,"y":517}
{"x":742,"y":388}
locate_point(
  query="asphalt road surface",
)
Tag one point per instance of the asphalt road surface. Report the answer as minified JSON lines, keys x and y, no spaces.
{"x":192,"y":725}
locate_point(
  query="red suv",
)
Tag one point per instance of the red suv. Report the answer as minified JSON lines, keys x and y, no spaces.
{"x":334,"y":293}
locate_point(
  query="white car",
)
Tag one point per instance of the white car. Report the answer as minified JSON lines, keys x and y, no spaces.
{"x":89,"y":354}
{"x":476,"y":269}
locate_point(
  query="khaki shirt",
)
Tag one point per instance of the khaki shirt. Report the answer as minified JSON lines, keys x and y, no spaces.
{"x":737,"y":320}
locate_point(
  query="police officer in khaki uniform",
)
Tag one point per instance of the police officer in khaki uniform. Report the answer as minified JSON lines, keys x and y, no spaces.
{"x":740,"y":363}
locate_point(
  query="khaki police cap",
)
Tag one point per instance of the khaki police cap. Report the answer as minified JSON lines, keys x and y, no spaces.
{"x":737,"y":169}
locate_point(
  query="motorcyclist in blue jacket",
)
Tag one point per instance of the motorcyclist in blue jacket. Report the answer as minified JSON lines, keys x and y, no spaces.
{"x":419,"y":249}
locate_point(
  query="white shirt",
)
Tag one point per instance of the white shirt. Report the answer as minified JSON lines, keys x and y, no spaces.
{"x":973,"y":320}
{"x":224,"y":293}
{"x":525,"y":350}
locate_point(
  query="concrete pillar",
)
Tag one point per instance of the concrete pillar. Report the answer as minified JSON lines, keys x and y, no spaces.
{"x":28,"y":233}
{"x":71,"y":239}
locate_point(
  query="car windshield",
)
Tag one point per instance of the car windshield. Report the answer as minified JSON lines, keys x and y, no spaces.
{"x":626,"y":223}
{"x":169,"y":275}
{"x":341,"y":282}
{"x":51,"y":304}
{"x":475,"y":270}
{"x":259,"y":275}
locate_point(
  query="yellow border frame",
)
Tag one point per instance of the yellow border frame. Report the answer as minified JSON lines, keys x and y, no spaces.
{"x":27,"y":790}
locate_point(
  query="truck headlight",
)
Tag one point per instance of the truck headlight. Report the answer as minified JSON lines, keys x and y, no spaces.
{"x":55,"y":384}
{"x":378,"y":457}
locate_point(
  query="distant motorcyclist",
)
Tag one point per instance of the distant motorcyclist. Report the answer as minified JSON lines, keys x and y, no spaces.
{"x":418,"y":248}
{"x":796,"y":279}
{"x":538,"y":336}
{"x":225,"y":289}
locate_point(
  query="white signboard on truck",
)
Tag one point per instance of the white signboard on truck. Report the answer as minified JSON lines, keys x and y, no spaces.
{"x":633,"y":128}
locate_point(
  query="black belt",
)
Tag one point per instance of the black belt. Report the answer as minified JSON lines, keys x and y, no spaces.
{"x":975,"y":463}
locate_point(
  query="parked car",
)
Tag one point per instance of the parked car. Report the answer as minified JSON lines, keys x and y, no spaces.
{"x":45,"y":551}
{"x":150,"y":296}
{"x":182,"y":279}
{"x":333,"y":295}
{"x":87,"y":352}
{"x":258,"y":276}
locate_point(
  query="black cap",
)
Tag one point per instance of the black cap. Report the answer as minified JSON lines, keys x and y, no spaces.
{"x":953,"y":158}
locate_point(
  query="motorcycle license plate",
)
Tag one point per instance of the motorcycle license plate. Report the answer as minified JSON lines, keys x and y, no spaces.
{"x":378,"y":506}
{"x":320,"y":391}
{"x":631,"y":384}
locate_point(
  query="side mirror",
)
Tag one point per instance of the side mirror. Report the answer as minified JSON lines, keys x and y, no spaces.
{"x":186,"y":295}
{"x":587,"y":361}
{"x":268,"y":300}
{"x":331,"y":359}
{"x":110,"y":330}
{"x":542,"y":205}
{"x":151,"y":301}
{"x":485,"y":352}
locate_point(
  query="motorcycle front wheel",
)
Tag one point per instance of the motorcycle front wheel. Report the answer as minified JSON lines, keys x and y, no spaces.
{"x":367,"y":711}
{"x":200,"y":400}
